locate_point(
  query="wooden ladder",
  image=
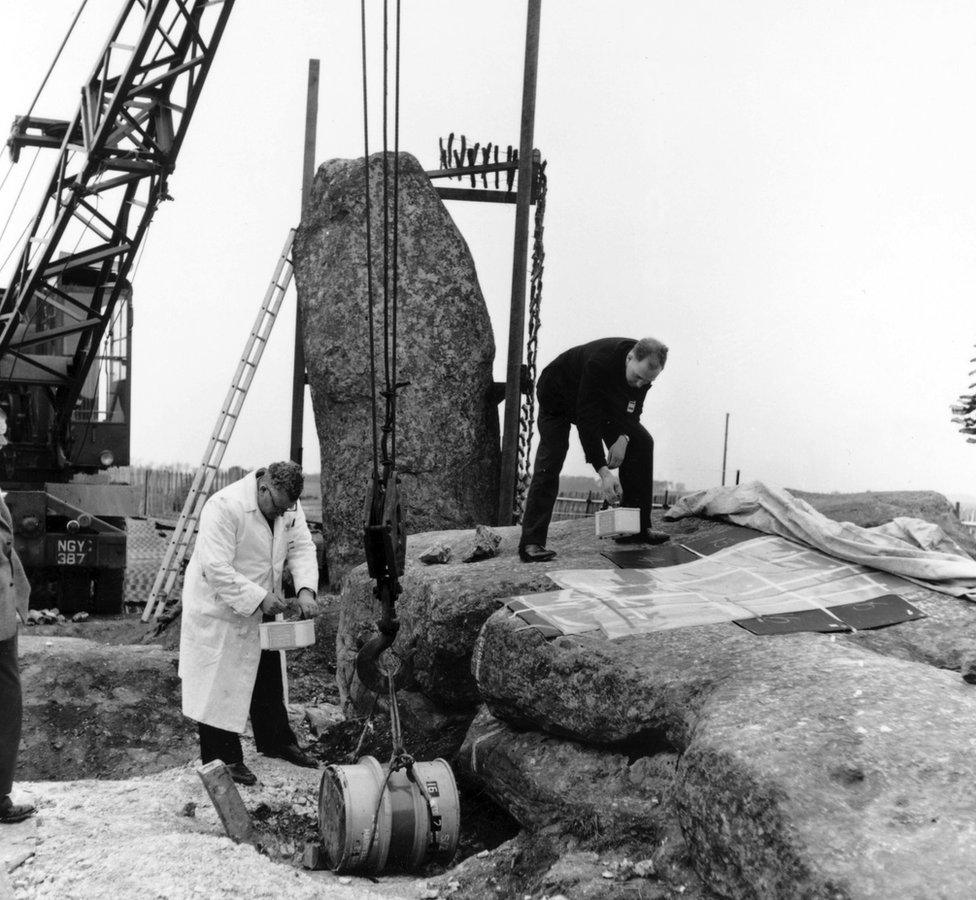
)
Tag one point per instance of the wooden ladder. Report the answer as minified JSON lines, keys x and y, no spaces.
{"x":186,"y":526}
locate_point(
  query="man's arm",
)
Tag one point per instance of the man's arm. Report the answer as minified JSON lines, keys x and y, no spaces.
{"x":595,"y":406}
{"x":592,"y":404}
{"x":215,"y":547}
{"x":303,"y":564}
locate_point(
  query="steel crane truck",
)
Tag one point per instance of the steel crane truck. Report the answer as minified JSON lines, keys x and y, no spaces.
{"x":66,"y":314}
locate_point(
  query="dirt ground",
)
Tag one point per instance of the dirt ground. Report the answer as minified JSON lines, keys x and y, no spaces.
{"x":159,"y":836}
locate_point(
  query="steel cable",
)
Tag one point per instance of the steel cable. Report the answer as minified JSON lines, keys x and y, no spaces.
{"x":57,"y":56}
{"x":369,"y":250}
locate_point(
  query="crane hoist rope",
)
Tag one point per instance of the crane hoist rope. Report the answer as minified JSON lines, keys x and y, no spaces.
{"x":384,"y":535}
{"x":385,"y":532}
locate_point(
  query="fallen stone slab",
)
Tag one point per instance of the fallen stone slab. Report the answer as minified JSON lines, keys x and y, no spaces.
{"x":540,"y":779}
{"x":810,"y":767}
{"x":443,"y":607}
{"x":96,"y":710}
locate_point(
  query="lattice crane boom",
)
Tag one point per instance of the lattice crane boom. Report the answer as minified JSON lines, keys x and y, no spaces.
{"x":114,"y":158}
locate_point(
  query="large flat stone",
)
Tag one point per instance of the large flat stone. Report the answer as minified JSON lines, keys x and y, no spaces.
{"x":809,"y":767}
{"x":443,"y":607}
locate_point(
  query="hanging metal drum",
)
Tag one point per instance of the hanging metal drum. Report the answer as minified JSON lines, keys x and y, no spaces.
{"x":404,"y":836}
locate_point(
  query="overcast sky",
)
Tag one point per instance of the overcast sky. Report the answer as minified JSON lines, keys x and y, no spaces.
{"x":784,"y":193}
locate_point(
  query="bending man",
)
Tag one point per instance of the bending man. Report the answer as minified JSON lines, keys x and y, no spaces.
{"x":600,"y":388}
{"x":248,"y":532}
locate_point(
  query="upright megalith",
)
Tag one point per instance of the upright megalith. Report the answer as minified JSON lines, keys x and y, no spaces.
{"x":447,"y":447}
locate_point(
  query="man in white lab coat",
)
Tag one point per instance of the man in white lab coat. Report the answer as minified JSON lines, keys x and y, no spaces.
{"x":247,"y":533}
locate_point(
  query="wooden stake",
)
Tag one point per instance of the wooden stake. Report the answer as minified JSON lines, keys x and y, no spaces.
{"x":299,"y":379}
{"x":223,"y":794}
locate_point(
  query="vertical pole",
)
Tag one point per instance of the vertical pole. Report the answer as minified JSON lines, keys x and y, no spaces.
{"x":725,"y":448}
{"x":298,"y":379}
{"x":516,"y":322}
{"x":738,"y":472}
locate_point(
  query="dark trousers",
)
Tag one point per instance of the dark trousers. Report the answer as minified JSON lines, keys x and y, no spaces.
{"x":269,"y":718}
{"x":11,"y":713}
{"x":636,"y":473}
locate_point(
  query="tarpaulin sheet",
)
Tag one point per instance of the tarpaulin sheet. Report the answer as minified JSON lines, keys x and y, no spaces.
{"x":759,"y":577}
{"x":912,"y":548}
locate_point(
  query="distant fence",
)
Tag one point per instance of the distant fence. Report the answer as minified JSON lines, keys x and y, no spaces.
{"x":163,"y":491}
{"x":580,"y":504}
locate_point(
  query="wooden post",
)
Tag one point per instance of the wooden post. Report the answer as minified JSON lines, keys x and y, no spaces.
{"x":227,"y":801}
{"x":298,"y":379}
{"x":516,"y":322}
{"x":725,"y":448}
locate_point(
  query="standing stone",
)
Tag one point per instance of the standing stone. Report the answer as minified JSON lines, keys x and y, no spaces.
{"x":447,"y":447}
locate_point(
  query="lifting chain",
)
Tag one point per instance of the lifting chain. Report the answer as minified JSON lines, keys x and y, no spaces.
{"x":527,"y":410}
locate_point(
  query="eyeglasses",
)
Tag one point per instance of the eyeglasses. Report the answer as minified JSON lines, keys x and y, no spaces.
{"x":280,"y":510}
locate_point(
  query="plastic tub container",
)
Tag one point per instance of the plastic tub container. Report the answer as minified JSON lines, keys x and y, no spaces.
{"x":617,"y":521}
{"x":287,"y":635}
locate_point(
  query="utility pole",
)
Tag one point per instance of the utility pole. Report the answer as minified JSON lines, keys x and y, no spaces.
{"x":516,"y":325}
{"x":725,"y":448}
{"x":298,"y":379}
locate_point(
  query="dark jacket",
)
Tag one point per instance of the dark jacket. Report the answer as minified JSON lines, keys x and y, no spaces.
{"x":588,"y":385}
{"x":14,"y":589}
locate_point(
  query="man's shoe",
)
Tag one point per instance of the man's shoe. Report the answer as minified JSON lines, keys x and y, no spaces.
{"x":241,"y":773}
{"x":294,"y":754}
{"x":11,"y":813}
{"x":645,"y":536}
{"x":536,"y":553}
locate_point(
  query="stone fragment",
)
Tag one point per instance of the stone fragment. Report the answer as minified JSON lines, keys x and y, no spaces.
{"x":437,"y":554}
{"x":484,"y":545}
{"x":447,"y":444}
{"x":320,"y":718}
{"x":312,"y":856}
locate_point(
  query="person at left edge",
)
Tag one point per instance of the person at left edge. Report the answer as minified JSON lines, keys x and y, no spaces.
{"x":14,"y":595}
{"x":247,"y":533}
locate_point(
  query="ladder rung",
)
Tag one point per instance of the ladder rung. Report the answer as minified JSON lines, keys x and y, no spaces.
{"x":186,"y":526}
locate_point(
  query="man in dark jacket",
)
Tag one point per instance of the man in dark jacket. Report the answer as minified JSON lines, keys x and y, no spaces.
{"x":14,"y":594}
{"x":599,"y":387}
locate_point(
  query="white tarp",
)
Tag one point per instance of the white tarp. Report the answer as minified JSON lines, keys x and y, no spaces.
{"x":912,"y":548}
{"x":760,"y":577}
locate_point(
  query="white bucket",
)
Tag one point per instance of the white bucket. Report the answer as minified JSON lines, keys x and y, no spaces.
{"x":617,"y":521}
{"x":287,"y":635}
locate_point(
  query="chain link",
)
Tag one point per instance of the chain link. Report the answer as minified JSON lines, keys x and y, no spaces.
{"x":527,"y":409}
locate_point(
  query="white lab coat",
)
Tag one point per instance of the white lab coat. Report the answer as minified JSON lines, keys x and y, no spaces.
{"x":234,"y":564}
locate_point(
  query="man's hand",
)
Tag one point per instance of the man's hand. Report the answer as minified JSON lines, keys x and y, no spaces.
{"x":306,"y":604}
{"x":618,"y":449}
{"x":611,"y":486}
{"x":272,"y":604}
